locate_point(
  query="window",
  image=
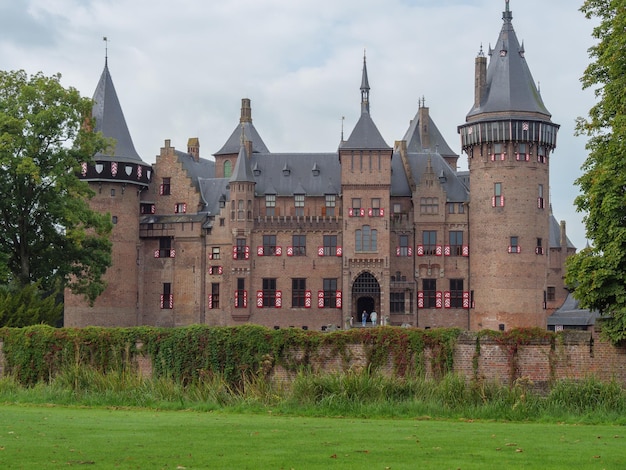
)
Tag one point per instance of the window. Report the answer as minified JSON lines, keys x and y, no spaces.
{"x":330,"y":245}
{"x":456,"y":293}
{"x":112,"y":192}
{"x":461,"y":208}
{"x":214,"y":298}
{"x":366,"y":239}
{"x":180,"y":208}
{"x":241,"y":297}
{"x":403,"y":249}
{"x":522,"y":152}
{"x":165,"y":188}
{"x":147,"y":208}
{"x":240,"y":249}
{"x":514,"y":245}
{"x":429,"y":205}
{"x":540,"y":200}
{"x":299,"y":204}
{"x":397,"y":208}
{"x":222,"y":222}
{"x":269,"y":245}
{"x":228,"y":169}
{"x":356,"y":211}
{"x":498,"y":198}
{"x":541,"y":154}
{"x":451,"y":207}
{"x":376,"y":210}
{"x":215,"y":252}
{"x":330,"y":293}
{"x":165,"y":248}
{"x":330,"y":204}
{"x":539,"y":247}
{"x":167,"y":299}
{"x":456,"y":243}
{"x":429,"y":289}
{"x":429,"y":241}
{"x":497,"y":152}
{"x":240,"y":210}
{"x":270,"y":204}
{"x":114,"y":219}
{"x":299,"y":245}
{"x":269,"y":292}
{"x":396,"y":302}
{"x":551,"y":294}
{"x":298,"y":292}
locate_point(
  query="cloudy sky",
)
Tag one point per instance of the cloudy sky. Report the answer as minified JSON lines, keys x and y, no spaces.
{"x":181,"y":67}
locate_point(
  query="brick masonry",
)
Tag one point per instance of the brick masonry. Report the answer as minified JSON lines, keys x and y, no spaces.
{"x":575,"y":356}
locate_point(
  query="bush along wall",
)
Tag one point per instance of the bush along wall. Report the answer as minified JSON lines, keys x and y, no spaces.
{"x":235,"y":354}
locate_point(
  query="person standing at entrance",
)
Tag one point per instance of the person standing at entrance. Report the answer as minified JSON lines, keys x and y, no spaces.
{"x":373,"y":317}
{"x":364,"y":318}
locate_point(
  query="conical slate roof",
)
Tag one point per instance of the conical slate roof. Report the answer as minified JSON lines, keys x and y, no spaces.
{"x":243,"y":170}
{"x":510,"y":85}
{"x":245,"y":125}
{"x":110,"y":119}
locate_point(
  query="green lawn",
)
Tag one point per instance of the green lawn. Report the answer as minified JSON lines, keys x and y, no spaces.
{"x":61,"y":437}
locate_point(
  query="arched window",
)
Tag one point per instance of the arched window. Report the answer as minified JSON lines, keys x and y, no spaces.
{"x":228,"y":170}
{"x":366,"y":239}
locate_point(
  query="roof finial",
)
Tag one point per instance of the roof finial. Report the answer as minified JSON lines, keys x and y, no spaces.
{"x":343,"y":118}
{"x":507,"y":15}
{"x":507,"y":5}
{"x":106,"y":50}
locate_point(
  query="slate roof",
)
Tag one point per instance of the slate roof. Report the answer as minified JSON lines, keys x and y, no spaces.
{"x":437,"y":141}
{"x":196,"y":169}
{"x":570,"y":314}
{"x":455,"y":189}
{"x":212,"y":190}
{"x":243,"y":170}
{"x":233,"y":143}
{"x":510,"y":85}
{"x":555,"y":234}
{"x":110,"y":120}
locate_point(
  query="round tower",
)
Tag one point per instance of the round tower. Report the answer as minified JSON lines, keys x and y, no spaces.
{"x":117,"y":177}
{"x":508,"y":137}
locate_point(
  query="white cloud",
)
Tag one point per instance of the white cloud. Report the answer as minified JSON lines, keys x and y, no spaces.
{"x":181,"y":68}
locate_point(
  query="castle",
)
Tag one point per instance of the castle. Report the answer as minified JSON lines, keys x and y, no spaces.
{"x":312,"y":240}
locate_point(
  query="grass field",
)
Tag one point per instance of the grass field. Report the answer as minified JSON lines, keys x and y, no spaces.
{"x":59,"y":437}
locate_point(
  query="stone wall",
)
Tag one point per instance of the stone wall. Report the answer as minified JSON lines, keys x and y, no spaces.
{"x":575,"y":355}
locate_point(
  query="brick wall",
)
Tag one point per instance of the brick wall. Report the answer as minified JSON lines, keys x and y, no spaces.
{"x":576,"y":355}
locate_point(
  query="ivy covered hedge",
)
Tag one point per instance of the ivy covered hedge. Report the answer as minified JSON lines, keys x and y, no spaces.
{"x":193,"y":353}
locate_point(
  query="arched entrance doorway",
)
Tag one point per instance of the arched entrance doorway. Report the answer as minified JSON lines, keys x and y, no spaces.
{"x":365,"y":295}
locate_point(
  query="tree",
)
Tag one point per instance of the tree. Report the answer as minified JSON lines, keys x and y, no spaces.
{"x":598,"y":272}
{"x":48,"y":233}
{"x":28,"y":306}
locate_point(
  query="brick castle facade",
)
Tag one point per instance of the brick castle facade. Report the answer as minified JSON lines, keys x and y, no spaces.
{"x":312,"y":240}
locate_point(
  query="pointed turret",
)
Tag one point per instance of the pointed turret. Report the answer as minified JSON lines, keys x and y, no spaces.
{"x":243,"y":170}
{"x":508,"y":86}
{"x":110,"y":120}
{"x":365,"y":134}
{"x":245,"y":121}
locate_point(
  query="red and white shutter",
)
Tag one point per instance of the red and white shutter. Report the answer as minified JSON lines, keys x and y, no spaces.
{"x":447,"y":299}
{"x":339,"y":251}
{"x":259,"y":251}
{"x":210,"y":302}
{"x":320,"y":299}
{"x":438,"y":250}
{"x":279,"y":251}
{"x":290,"y":251}
{"x":259,"y":299}
{"x":278,"y":300}
{"x":438,"y":299}
{"x":420,"y":250}
{"x":420,"y":300}
{"x":466,"y":299}
{"x":320,"y":251}
{"x":447,"y":251}
{"x":338,"y":299}
{"x":307,"y":299}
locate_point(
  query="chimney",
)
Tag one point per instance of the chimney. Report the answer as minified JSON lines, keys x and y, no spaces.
{"x":563,"y":235}
{"x":480,"y":78}
{"x":246,"y":111}
{"x":193,"y":148}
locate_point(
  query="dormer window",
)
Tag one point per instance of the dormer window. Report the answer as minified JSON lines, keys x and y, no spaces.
{"x":256,"y":170}
{"x":286,"y":170}
{"x":316,"y":169}
{"x":222,"y":201}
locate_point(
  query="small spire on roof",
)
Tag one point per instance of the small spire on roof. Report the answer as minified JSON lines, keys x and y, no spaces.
{"x":365,"y":87}
{"x":106,"y":50}
{"x":507,"y":15}
{"x":481,"y":52}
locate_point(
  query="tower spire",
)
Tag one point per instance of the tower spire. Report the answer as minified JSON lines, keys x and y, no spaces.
{"x":507,"y":15}
{"x":365,"y":88}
